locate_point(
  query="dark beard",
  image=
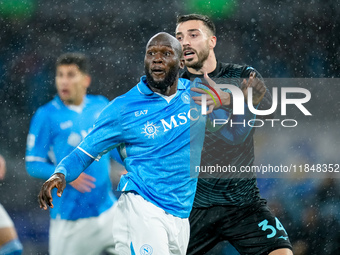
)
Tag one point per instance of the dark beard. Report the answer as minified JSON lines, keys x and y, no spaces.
{"x":197,"y":66}
{"x":162,"y":85}
{"x":201,"y":58}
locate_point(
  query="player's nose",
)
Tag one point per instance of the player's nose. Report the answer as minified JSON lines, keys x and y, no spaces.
{"x":64,"y":81}
{"x":157,"y":58}
{"x":185,"y":41}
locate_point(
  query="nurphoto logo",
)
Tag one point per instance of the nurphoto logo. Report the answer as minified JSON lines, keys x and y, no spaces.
{"x":238,"y":105}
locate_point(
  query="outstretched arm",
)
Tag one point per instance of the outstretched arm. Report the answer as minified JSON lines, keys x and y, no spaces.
{"x":79,"y":162}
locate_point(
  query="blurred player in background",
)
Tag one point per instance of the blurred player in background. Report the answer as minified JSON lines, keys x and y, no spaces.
{"x":227,"y":207}
{"x":9,"y":242}
{"x":160,"y":131}
{"x":81,"y":219}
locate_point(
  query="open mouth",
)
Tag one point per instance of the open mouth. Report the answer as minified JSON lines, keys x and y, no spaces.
{"x":157,"y":71}
{"x":189,"y":54}
{"x":64,"y":91}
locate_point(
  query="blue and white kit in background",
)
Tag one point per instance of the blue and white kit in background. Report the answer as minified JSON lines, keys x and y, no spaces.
{"x":5,"y":220}
{"x":160,"y":139}
{"x":14,"y":246}
{"x":55,"y":130}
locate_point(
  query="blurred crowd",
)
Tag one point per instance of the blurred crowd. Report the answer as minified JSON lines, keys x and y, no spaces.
{"x":280,"y":38}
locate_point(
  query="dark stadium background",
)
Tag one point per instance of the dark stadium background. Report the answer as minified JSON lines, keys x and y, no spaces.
{"x":280,"y":38}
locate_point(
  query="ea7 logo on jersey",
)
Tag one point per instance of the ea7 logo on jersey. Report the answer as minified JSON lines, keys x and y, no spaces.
{"x":140,"y":113}
{"x":150,"y":130}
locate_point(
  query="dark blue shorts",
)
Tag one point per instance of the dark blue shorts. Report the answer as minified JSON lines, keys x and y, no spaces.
{"x":251,"y":229}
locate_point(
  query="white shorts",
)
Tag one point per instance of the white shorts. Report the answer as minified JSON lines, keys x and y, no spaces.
{"x":141,"y":228}
{"x":88,"y":236}
{"x":5,"y":220}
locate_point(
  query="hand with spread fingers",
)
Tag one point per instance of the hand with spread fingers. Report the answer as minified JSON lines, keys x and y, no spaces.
{"x":55,"y":181}
{"x":213,"y":101}
{"x":259,"y":89}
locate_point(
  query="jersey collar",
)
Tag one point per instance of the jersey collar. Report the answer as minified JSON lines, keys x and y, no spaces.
{"x":144,"y":89}
{"x":60,"y":103}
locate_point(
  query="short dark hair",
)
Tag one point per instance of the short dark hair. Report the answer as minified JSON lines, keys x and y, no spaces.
{"x":78,"y":59}
{"x":205,"y":19}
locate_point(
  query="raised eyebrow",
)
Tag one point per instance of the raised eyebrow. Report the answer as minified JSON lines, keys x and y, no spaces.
{"x":164,"y":45}
{"x":167,"y":46}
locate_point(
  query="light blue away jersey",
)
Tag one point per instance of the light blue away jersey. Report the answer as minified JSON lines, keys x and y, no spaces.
{"x":161,"y":139}
{"x":158,"y":141}
{"x":55,"y":131}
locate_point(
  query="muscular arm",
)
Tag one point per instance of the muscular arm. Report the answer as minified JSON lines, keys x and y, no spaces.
{"x":73,"y":164}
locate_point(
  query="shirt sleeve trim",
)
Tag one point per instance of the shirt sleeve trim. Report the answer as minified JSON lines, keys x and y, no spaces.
{"x":88,"y":154}
{"x":34,"y":158}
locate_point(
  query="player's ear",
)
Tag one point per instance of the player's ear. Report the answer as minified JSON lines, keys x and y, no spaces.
{"x":181,"y":63}
{"x":87,"y":80}
{"x":212,"y":42}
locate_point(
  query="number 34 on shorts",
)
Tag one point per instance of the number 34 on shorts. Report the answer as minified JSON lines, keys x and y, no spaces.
{"x":273,"y":230}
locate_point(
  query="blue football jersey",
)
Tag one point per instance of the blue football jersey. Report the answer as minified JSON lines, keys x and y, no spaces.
{"x":161,"y":139}
{"x":55,"y":131}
